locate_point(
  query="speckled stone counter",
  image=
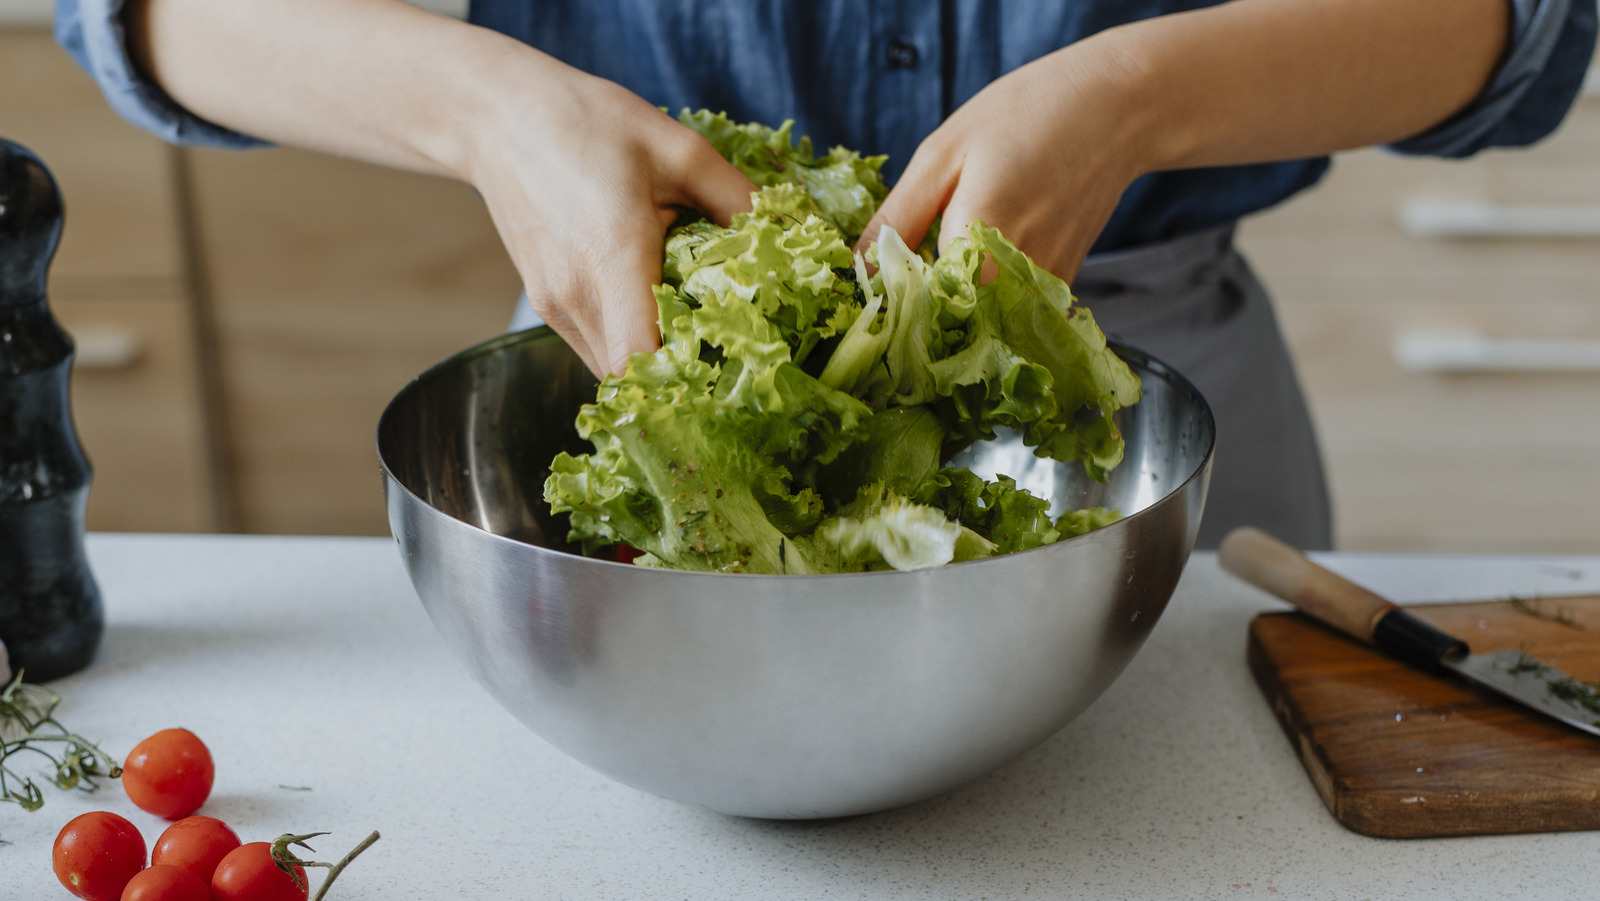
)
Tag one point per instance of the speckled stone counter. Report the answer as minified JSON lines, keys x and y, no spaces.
{"x":309,"y":667}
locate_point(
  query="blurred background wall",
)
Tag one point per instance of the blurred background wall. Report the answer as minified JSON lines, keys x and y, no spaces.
{"x":242,"y":318}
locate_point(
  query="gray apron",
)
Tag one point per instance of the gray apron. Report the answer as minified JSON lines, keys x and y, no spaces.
{"x":1194,"y":304}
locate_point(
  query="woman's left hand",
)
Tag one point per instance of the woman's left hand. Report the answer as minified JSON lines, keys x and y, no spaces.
{"x":1043,"y":154}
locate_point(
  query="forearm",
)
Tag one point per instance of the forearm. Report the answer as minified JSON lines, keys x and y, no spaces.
{"x":1258,"y":80}
{"x":375,"y":80}
{"x":581,"y":176}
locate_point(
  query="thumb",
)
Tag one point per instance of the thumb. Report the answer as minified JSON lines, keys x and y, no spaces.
{"x":916,"y":199}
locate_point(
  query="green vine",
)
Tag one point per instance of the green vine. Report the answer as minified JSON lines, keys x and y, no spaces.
{"x":287,"y":861}
{"x":28,"y":726}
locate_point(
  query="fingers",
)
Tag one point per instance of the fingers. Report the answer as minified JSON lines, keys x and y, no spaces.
{"x":959,"y":213}
{"x":596,"y":293}
{"x":958,"y":216}
{"x":1054,"y":240}
{"x":919,"y":195}
{"x":1054,"y":220}
{"x":614,"y":312}
{"x":702,"y":179}
{"x":627,"y":306}
{"x":592,"y":281}
{"x":690,"y":173}
{"x":545,"y":304}
{"x":979,"y":196}
{"x":595,"y":279}
{"x":583,"y":192}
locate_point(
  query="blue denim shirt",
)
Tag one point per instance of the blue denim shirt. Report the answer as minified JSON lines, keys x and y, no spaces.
{"x":880,"y":76}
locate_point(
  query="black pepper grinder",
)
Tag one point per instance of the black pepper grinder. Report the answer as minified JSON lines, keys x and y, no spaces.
{"x":51,"y":615}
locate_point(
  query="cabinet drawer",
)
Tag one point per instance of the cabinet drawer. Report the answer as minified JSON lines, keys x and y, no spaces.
{"x":137,"y":404}
{"x":1501,"y":462}
{"x":1344,"y":239}
{"x":332,"y":284}
{"x":1441,"y":461}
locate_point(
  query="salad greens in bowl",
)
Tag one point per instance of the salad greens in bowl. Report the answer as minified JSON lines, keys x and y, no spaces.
{"x":805,"y":416}
{"x":799,"y":412}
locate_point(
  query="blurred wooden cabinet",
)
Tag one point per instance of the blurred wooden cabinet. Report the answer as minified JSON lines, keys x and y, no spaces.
{"x":242,"y":318}
{"x":1498,"y":256}
{"x":330,"y":285}
{"x":120,"y":286}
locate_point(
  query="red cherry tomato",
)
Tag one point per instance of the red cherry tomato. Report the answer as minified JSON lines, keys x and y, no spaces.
{"x":169,"y":774}
{"x":195,"y":843}
{"x":96,"y":854}
{"x":249,"y":873}
{"x":627,"y":553}
{"x":165,"y":882}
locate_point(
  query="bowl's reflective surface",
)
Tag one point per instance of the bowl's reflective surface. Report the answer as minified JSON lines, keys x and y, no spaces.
{"x":774,"y":696}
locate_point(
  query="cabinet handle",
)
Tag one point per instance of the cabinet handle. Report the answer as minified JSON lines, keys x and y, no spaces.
{"x":106,"y":350}
{"x":1431,"y":218}
{"x":1435,"y":217}
{"x":1466,"y":352}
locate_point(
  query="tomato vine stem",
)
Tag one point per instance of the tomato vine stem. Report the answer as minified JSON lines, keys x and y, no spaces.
{"x":27,"y":721}
{"x":287,"y":860}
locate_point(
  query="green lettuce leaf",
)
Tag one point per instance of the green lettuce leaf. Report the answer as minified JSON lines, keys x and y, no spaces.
{"x":1033,"y":359}
{"x":765,"y":290}
{"x":1079,"y":522}
{"x":845,"y":186}
{"x":898,"y":448}
{"x":695,"y":480}
{"x":1008,"y":517}
{"x":881,"y":529}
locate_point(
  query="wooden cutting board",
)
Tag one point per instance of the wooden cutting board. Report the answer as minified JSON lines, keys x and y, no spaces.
{"x":1400,"y":753}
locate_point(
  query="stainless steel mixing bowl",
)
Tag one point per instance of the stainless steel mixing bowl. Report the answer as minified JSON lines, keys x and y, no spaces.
{"x":774,"y":696}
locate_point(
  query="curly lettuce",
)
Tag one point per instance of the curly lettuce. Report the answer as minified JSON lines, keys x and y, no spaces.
{"x":798,"y":413}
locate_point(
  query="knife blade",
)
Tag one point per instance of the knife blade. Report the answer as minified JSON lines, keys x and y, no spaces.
{"x":1523,"y":679}
{"x":1277,"y":568}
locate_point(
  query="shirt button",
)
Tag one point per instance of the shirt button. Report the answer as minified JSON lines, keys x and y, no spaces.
{"x":902,"y":54}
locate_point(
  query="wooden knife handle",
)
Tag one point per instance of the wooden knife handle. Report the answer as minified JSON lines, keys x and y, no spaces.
{"x":1275,"y":567}
{"x":1279,"y":569}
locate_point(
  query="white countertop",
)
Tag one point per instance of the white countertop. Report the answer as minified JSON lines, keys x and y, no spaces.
{"x":309,"y":662}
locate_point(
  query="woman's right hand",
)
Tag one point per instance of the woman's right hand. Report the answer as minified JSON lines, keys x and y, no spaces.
{"x":583,"y":178}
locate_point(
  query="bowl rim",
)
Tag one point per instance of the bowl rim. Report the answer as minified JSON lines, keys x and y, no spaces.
{"x":1127,"y":352}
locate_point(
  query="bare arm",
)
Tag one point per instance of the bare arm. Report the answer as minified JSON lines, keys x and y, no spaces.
{"x":374,"y":80}
{"x":1045,"y":152}
{"x":581,"y":176}
{"x":1263,"y":80}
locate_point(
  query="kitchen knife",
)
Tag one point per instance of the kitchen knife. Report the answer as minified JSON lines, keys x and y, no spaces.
{"x":1275,"y":567}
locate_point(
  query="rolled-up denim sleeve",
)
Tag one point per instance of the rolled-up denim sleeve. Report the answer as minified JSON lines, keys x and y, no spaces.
{"x":91,"y":32}
{"x":1538,"y":79}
